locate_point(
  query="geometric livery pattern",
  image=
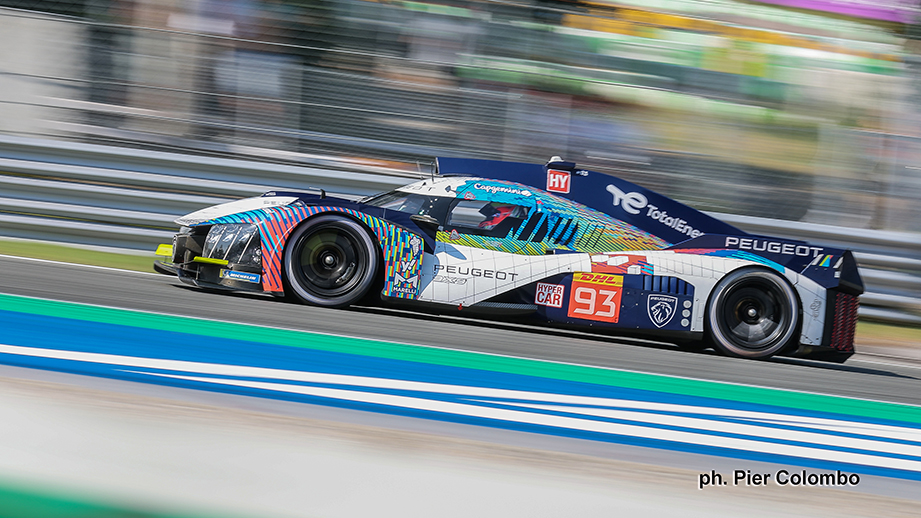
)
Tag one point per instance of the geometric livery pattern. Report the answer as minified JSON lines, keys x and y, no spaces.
{"x":552,"y":223}
{"x":733,"y":254}
{"x":402,"y":250}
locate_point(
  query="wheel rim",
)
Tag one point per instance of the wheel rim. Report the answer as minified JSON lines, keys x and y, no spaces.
{"x":330,"y":261}
{"x":754,"y":314}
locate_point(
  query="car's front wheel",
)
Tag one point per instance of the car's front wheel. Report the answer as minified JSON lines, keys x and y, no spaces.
{"x":330,"y":261}
{"x":753,"y":313}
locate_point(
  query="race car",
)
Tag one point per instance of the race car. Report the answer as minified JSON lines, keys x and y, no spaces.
{"x":551,"y":243}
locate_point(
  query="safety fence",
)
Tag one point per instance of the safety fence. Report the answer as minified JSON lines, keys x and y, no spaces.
{"x":106,"y":196}
{"x":793,"y":117}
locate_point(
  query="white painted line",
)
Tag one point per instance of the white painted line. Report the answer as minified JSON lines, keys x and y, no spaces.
{"x":699,"y":426}
{"x":755,"y":423}
{"x":63,"y":263}
{"x":698,"y":437}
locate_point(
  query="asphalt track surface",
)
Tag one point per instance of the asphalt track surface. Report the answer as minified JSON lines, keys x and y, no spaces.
{"x":440,"y":458}
{"x":865,"y":378}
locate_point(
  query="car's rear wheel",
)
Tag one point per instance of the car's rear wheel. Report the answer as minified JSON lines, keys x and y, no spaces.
{"x":753,"y":313}
{"x":330,"y":261}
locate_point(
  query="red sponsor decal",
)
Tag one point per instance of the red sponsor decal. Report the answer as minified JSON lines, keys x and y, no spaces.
{"x":558,"y":181}
{"x":595,"y":297}
{"x":549,"y":294}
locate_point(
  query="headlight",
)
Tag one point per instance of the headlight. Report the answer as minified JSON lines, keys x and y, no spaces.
{"x":237,"y":243}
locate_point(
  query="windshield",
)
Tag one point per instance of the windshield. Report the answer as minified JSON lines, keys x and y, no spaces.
{"x":405,"y":202}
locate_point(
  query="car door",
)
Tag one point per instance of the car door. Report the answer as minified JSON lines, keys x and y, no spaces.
{"x":479,"y":253}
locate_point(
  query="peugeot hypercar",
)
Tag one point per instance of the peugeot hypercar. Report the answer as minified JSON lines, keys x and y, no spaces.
{"x":550,"y":243}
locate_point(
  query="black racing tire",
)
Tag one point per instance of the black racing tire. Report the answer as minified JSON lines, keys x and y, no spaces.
{"x":753,"y":313}
{"x":330,"y":261}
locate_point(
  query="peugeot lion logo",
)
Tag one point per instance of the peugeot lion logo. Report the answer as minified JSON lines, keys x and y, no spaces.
{"x":661,"y":309}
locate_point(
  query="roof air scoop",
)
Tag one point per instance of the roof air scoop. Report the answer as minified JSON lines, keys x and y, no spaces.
{"x":557,"y":162}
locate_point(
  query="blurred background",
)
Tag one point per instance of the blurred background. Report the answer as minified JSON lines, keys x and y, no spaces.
{"x":802,"y":115}
{"x":803,"y":110}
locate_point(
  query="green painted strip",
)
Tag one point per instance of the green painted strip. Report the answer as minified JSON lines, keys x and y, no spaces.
{"x":16,"y":502}
{"x":472,"y":360}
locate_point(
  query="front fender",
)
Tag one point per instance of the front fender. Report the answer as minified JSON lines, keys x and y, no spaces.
{"x":401,"y":249}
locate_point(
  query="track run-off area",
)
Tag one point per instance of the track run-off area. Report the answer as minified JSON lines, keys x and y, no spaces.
{"x":861,"y":419}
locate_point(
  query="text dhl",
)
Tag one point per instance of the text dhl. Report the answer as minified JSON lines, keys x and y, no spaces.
{"x":599,"y":278}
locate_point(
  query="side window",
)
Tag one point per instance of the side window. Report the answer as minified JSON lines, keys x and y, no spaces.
{"x":485,"y":217}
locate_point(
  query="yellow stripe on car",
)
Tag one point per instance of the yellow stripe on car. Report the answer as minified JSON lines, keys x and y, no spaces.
{"x":210,"y":260}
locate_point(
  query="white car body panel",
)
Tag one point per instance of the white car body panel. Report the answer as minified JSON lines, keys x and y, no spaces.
{"x":450,"y":264}
{"x":458,"y":275}
{"x":233,"y":207}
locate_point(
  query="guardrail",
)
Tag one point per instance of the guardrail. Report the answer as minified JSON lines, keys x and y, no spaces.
{"x":116,"y":197}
